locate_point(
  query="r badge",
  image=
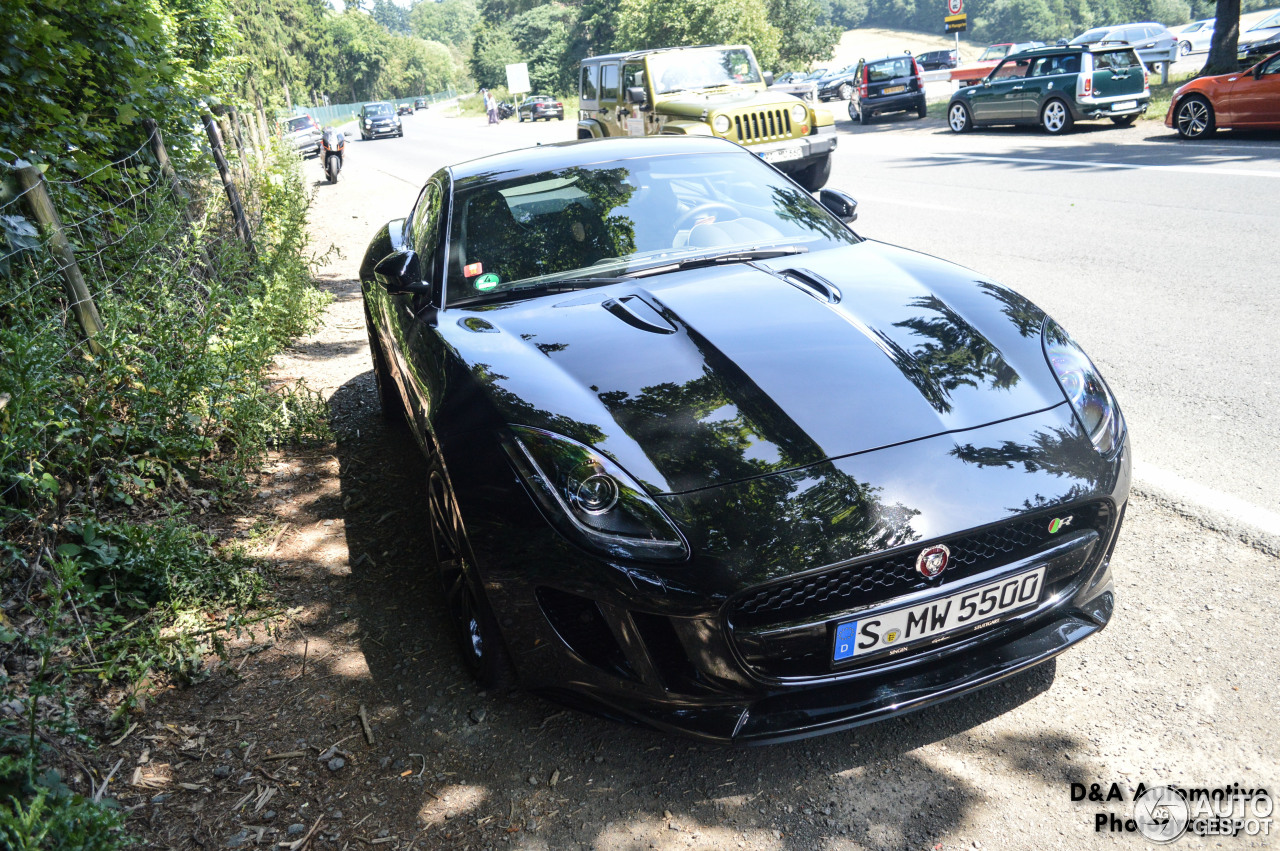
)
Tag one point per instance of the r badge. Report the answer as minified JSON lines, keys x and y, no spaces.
{"x":933,"y":560}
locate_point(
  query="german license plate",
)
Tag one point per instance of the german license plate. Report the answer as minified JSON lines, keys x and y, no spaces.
{"x":931,"y":622}
{"x":1123,"y":105}
{"x":781,"y":155}
{"x":893,"y":90}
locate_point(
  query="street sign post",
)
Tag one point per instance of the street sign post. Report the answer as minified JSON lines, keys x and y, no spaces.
{"x":956,"y":23}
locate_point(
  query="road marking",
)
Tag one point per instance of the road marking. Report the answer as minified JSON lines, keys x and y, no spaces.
{"x":1184,"y":169}
{"x":1184,"y":490}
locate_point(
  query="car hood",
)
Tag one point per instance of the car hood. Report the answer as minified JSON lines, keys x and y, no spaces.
{"x":697,"y":105}
{"x":705,"y":377}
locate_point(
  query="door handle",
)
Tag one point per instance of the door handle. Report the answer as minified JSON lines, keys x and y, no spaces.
{"x":1017,"y":88}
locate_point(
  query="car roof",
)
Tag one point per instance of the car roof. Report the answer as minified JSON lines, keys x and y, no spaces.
{"x":560,"y":155}
{"x":640,"y":54}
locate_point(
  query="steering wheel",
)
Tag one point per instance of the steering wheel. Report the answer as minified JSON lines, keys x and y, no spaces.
{"x":703,"y":209}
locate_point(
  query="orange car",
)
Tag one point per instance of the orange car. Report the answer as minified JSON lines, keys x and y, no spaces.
{"x":1240,"y":100}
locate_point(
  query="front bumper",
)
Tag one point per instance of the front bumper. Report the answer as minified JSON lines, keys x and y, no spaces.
{"x":792,"y":155}
{"x":680,"y":649}
{"x":381,"y":130}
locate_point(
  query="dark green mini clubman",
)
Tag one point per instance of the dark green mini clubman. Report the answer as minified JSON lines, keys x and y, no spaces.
{"x":1056,"y":87}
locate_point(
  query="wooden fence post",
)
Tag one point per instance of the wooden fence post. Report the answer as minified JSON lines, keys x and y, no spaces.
{"x":41,"y":206}
{"x":156,"y":141}
{"x":229,"y":184}
{"x":240,"y":131}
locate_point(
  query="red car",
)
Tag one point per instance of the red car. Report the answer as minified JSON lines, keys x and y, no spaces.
{"x":1239,"y":100}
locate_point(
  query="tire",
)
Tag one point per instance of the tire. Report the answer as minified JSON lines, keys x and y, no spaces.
{"x":865,"y":116}
{"x":1184,"y":49}
{"x":520,"y":118}
{"x":1055,"y":118}
{"x":922,"y":111}
{"x":389,"y":403}
{"x":854,"y":113}
{"x":472,"y":621}
{"x":815,"y":176}
{"x":1194,"y":118}
{"x":846,"y":91}
{"x":331,"y":169}
{"x":561,"y":118}
{"x":959,"y":119}
{"x":1124,"y":120}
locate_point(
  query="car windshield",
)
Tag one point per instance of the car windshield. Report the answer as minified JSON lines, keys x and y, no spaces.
{"x":1267,"y":23}
{"x":620,"y":217}
{"x":680,"y":70}
{"x":376,"y":109}
{"x":995,"y":51}
{"x":296,"y":124}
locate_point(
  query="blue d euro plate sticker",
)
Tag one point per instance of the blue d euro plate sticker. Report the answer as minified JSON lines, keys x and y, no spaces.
{"x":845,"y":634}
{"x":487,"y":281}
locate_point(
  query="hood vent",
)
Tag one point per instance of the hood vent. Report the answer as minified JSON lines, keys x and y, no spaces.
{"x":813,"y":283}
{"x":638,"y":313}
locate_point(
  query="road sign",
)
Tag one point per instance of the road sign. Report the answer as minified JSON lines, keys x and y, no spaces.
{"x":956,"y":23}
{"x":955,"y":7}
{"x":518,"y":77}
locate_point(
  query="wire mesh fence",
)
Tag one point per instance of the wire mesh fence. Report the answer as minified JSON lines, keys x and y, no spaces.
{"x":341,"y":113}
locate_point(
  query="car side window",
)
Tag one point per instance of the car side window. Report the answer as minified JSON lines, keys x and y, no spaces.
{"x":1272,"y":67}
{"x":426,"y":228}
{"x":632,"y":77}
{"x":1011,"y":68}
{"x":588,"y":91}
{"x":608,"y":82}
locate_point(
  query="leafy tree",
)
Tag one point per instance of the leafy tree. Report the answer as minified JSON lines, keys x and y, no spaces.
{"x":416,"y":67}
{"x":393,"y":18}
{"x":845,"y":14}
{"x":493,"y":50}
{"x":802,"y":40}
{"x":450,"y":22}
{"x":545,"y":38}
{"x":668,"y":23}
{"x":361,"y":51}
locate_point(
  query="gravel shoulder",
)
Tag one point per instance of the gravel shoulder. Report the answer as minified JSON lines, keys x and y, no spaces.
{"x":352,"y":723}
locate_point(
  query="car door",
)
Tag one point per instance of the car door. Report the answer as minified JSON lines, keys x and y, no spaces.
{"x":611,"y":108}
{"x":999,"y":96}
{"x":1256,"y":99}
{"x":589,"y":94}
{"x":409,"y":318}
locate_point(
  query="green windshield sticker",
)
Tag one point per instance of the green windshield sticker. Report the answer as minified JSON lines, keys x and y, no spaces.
{"x":487,"y":281}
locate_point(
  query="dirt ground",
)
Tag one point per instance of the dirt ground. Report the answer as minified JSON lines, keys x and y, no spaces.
{"x":350,"y":724}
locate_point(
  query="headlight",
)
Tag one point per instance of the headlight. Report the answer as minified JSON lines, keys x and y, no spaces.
{"x":799,"y":113}
{"x":721,"y":124}
{"x":591,"y":500}
{"x":368,"y":123}
{"x":1088,"y":394}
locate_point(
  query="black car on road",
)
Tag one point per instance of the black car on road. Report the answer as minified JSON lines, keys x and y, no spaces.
{"x":885,"y":85}
{"x":379,"y":119}
{"x":421,"y":103}
{"x":535,"y":107}
{"x":702,"y":457}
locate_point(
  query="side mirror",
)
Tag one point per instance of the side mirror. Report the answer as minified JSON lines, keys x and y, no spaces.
{"x":399,"y":273}
{"x":986,"y":81}
{"x":636,"y":95}
{"x":768,"y":78}
{"x":839,"y":204}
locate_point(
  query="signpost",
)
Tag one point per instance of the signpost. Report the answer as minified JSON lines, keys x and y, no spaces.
{"x":518,"y":79}
{"x":956,"y":21}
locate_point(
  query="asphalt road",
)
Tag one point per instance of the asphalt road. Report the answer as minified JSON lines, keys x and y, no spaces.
{"x":1159,"y":256}
{"x":1162,"y":274}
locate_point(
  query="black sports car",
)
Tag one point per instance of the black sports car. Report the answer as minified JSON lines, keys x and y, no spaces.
{"x":702,"y":457}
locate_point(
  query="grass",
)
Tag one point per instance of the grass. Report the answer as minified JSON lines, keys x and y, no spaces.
{"x":1162,"y":96}
{"x":473,"y":104}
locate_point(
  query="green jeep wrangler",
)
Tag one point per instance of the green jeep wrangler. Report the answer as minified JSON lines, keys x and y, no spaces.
{"x":706,"y":91}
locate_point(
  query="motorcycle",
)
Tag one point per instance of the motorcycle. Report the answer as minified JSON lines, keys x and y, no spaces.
{"x":505,"y":110}
{"x":332,"y":144}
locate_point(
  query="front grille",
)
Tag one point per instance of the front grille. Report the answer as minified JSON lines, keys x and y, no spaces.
{"x":763,"y":126}
{"x":893,"y":575}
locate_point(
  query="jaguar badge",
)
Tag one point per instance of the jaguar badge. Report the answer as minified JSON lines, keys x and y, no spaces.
{"x":933,"y":560}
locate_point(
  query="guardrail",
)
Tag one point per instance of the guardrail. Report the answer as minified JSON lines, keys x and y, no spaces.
{"x":1163,"y":58}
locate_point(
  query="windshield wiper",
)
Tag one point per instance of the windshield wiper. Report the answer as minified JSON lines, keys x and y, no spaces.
{"x":563,"y":285}
{"x":701,"y":260}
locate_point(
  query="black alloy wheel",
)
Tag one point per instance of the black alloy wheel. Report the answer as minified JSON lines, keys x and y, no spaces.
{"x":472,"y":620}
